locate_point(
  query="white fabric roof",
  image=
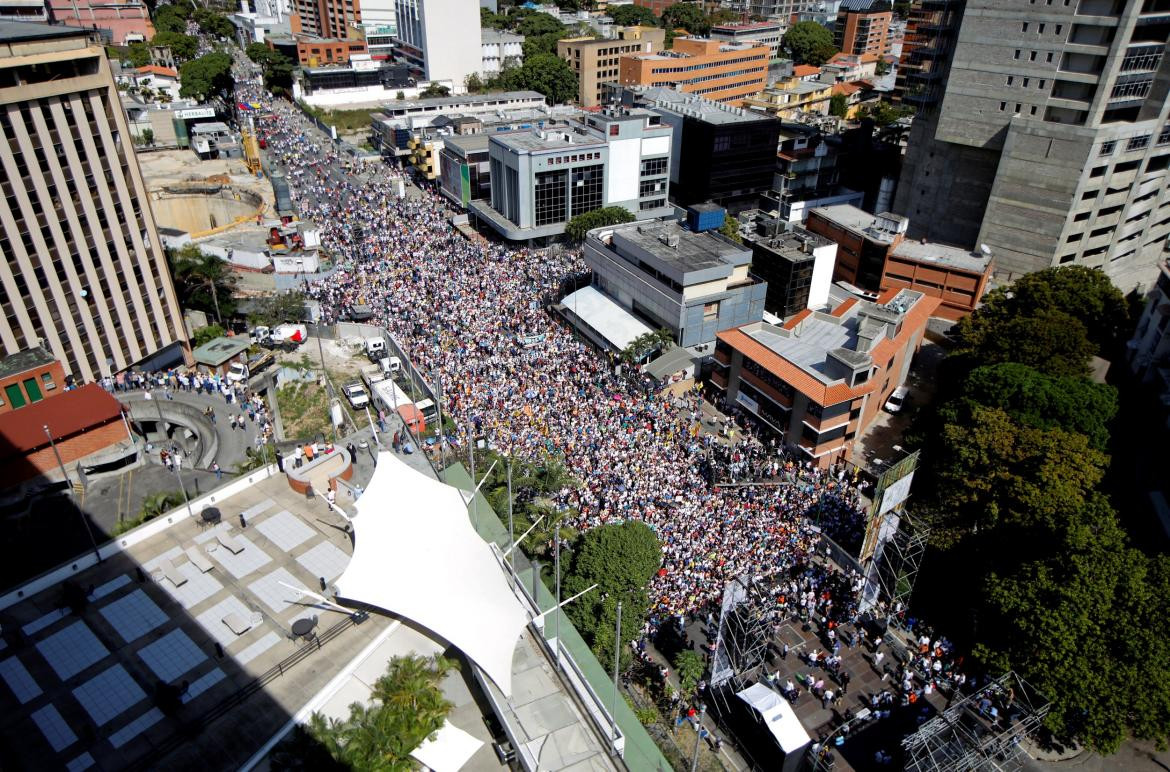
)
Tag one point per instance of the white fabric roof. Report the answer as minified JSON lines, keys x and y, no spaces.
{"x":449,"y":751}
{"x":416,"y":555}
{"x":777,"y":715}
{"x":612,"y":322}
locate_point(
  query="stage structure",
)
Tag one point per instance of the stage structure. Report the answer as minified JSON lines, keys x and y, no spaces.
{"x":894,"y":541}
{"x":744,"y":631}
{"x":980,"y":732}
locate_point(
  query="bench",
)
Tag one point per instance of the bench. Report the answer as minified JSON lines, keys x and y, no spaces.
{"x":230,"y":543}
{"x":199,"y":558}
{"x":170,"y":571}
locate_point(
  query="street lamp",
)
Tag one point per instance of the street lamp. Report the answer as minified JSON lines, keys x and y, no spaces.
{"x":61,"y":466}
{"x":162,"y":425}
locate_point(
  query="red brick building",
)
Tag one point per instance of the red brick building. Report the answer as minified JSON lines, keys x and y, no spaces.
{"x":821,"y":379}
{"x":29,"y":376}
{"x":81,"y":421}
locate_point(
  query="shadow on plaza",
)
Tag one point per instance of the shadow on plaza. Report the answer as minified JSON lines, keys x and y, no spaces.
{"x":64,"y":662}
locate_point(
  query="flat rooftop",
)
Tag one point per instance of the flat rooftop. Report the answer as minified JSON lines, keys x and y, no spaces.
{"x":466,"y":101}
{"x":680,"y":251}
{"x":693,"y":105}
{"x":942,"y":254}
{"x":215,"y":352}
{"x":38,"y":356}
{"x":853,"y":219}
{"x":19,"y":31}
{"x":796,"y":244}
{"x":532,"y":141}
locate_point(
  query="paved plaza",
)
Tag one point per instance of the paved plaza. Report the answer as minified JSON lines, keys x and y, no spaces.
{"x":84,"y":673}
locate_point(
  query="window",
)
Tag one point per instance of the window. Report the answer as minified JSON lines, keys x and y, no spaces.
{"x":1040,"y":30}
{"x":1031,"y":56}
{"x":1098,"y":171}
{"x":47,"y":381}
{"x":1164,"y":137}
{"x":1002,"y":106}
{"x":1026,"y":81}
{"x":711,"y":311}
{"x":1138,"y":143}
{"x":1010,"y":80}
{"x":1017,"y":55}
{"x":549,"y":197}
{"x":1033,"y":109}
{"x":1060,"y":27}
{"x":613,"y":130}
{"x":1024,"y":27}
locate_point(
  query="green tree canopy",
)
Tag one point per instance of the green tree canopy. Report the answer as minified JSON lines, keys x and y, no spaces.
{"x":620,"y":559}
{"x":183,"y":47}
{"x":533,"y":24}
{"x":540,"y":44}
{"x":597,"y":218}
{"x":730,"y":228}
{"x":214,"y":24}
{"x":203,"y":282}
{"x":407,"y":706}
{"x":1049,"y":340}
{"x":493,"y":20}
{"x":645,"y":344}
{"x":687,"y":16}
{"x":632,"y":15}
{"x":138,"y":54}
{"x":548,"y":74}
{"x":209,"y":75}
{"x":206,"y":334}
{"x":171,"y":18}
{"x":279,"y":308}
{"x":809,"y":43}
{"x":838,"y":105}
{"x":277,"y":67}
{"x":1034,"y":399}
{"x":434,"y":90}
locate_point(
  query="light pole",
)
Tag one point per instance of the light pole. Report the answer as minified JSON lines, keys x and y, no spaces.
{"x":61,"y":466}
{"x":511,"y":526}
{"x":617,"y":656}
{"x":474,"y":484}
{"x":698,"y":736}
{"x":162,"y":426}
{"x":557,"y":543}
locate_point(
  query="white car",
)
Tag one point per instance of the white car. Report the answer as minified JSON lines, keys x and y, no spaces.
{"x":897,"y":400}
{"x":357,"y":395}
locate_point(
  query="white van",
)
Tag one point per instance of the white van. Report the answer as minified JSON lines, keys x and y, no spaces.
{"x":897,"y":400}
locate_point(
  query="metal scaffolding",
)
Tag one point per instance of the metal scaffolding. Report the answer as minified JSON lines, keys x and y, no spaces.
{"x":980,"y":732}
{"x":744,"y":632}
{"x":894,"y":568}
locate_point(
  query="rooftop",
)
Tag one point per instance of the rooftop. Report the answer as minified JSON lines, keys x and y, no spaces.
{"x":861,"y":222}
{"x":21,"y":361}
{"x":20,"y":31}
{"x":864,"y":5}
{"x":536,"y":141}
{"x":66,"y":414}
{"x":215,"y":352}
{"x":465,"y":101}
{"x":942,"y":254}
{"x":681,"y":254}
{"x":796,"y":244}
{"x":692,"y":105}
{"x":490,"y":35}
{"x":746,"y":26}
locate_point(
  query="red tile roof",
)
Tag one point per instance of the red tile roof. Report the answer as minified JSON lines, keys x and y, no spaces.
{"x":69,"y":413}
{"x":154,"y":69}
{"x":805,"y":70}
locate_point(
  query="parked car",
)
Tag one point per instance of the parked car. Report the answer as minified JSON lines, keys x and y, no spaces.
{"x":897,"y":400}
{"x":357,"y":395}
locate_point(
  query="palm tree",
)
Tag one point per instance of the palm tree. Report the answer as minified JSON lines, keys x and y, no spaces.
{"x":198,"y":276}
{"x":406,"y":707}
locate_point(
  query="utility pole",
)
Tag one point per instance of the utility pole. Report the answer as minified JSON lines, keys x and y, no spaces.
{"x":471,"y":455}
{"x":557,"y":541}
{"x":617,"y":657}
{"x":511,"y":526}
{"x":65,"y":476}
{"x":698,"y":736}
{"x":162,"y":425}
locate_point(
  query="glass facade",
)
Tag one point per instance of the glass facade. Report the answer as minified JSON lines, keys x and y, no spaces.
{"x":549,"y":197}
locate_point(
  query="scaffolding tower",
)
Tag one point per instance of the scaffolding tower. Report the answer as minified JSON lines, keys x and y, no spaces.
{"x":894,"y":569}
{"x":979,"y":732}
{"x":744,"y":632}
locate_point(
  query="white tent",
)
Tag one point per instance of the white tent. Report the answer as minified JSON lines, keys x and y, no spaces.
{"x":778,"y":716}
{"x":416,"y":555}
{"x":451,"y":749}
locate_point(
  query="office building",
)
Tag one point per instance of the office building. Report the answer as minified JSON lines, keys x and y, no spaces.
{"x":337,"y":19}
{"x":863,"y":29}
{"x":440,"y":37}
{"x":715,"y":69}
{"x":782,"y":10}
{"x":1149,"y":349}
{"x":1045,"y":135}
{"x":465,"y":169}
{"x":379,"y":27}
{"x":764,"y":33}
{"x":874,"y":255}
{"x":820,"y":379}
{"x":796,"y":264}
{"x":84,"y":273}
{"x":693,"y":284}
{"x":657,"y":6}
{"x":313,"y":51}
{"x":596,"y":60}
{"x":730,"y":152}
{"x":24,"y":10}
{"x":500,"y":49}
{"x":542,"y":179}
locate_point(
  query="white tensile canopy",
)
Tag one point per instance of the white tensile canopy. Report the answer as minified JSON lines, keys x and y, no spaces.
{"x":451,"y":749}
{"x":416,"y":555}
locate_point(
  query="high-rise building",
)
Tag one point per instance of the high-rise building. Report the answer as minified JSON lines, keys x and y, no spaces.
{"x":328,"y":18}
{"x":1042,"y":132}
{"x":863,"y":28}
{"x":83,"y":271}
{"x":715,"y":69}
{"x":440,"y":37}
{"x":595,"y":60}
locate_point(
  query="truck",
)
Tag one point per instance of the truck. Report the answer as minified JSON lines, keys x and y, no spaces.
{"x":241,"y":371}
{"x":283,"y":336}
{"x":375,"y":348}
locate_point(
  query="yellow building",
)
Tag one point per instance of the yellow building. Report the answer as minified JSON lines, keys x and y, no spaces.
{"x":788,"y":98}
{"x":424,"y":155}
{"x":596,"y":61}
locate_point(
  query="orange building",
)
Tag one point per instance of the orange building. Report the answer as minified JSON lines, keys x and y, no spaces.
{"x":820,"y":380}
{"x":715,"y":69}
{"x":29,"y":376}
{"x":863,"y":28}
{"x":316,"y":52}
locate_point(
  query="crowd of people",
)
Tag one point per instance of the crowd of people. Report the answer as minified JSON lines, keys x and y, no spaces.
{"x":472,"y":315}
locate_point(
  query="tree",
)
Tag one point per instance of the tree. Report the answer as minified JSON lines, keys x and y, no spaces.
{"x":214,"y":24}
{"x":535,"y":24}
{"x":632,"y":16}
{"x":1043,"y":401}
{"x":883,"y":113}
{"x":881,"y":68}
{"x":809,"y":43}
{"x":209,"y":75}
{"x":493,"y":20}
{"x":278,"y":308}
{"x":474,"y":83}
{"x":138,"y":54}
{"x":183,"y":47}
{"x":171,"y":18}
{"x":401,"y":95}
{"x":1050,"y":340}
{"x":407,"y":706}
{"x":434,"y":90}
{"x":277,"y":67}
{"x":689,"y":667}
{"x":839,"y":106}
{"x":538,"y":45}
{"x":646,"y":344}
{"x":206,"y":334}
{"x":203,"y":282}
{"x":620,"y":559}
{"x":147,"y":137}
{"x":902,"y":8}
{"x":730,"y":228}
{"x":686,"y":16}
{"x":597,"y":218}
{"x":547,"y":73}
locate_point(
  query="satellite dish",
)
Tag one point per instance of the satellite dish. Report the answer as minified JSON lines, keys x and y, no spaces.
{"x":985,"y":249}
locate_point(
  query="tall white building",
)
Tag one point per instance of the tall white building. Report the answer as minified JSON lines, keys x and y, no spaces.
{"x":441,"y":37}
{"x":380,"y":23}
